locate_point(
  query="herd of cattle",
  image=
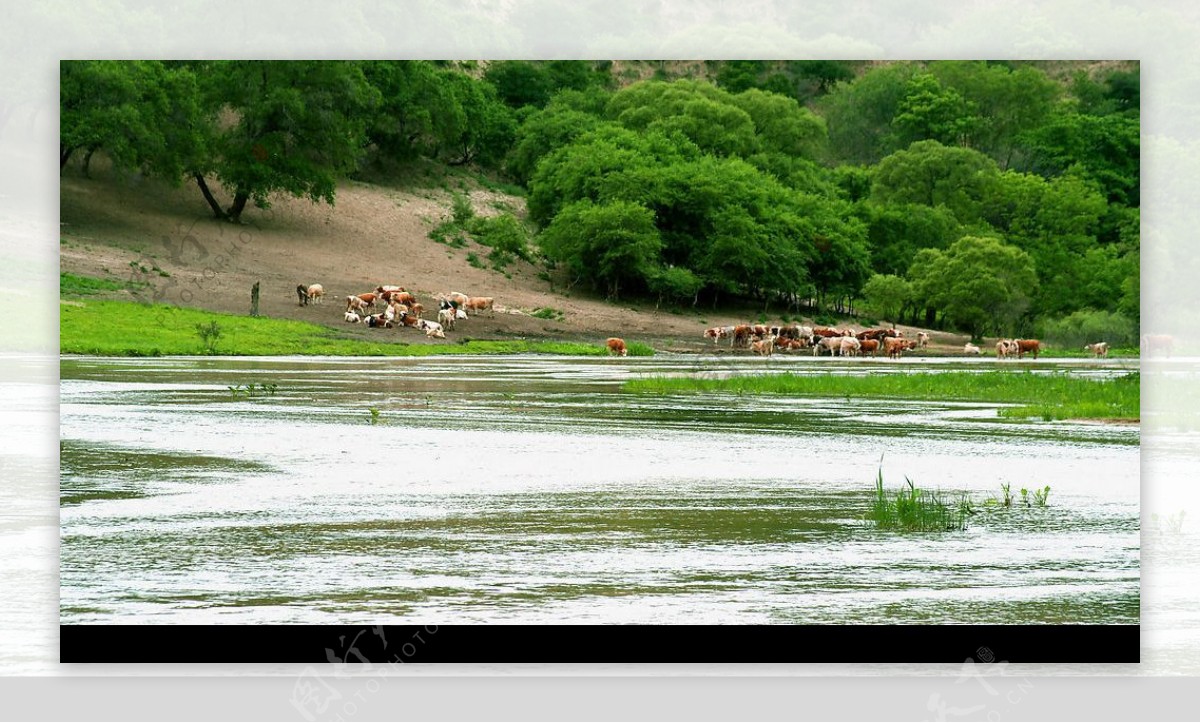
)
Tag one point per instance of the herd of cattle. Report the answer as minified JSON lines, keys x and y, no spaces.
{"x":764,"y":340}
{"x":400,"y":308}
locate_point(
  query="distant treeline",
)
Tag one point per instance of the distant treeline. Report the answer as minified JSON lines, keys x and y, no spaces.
{"x":991,"y":197}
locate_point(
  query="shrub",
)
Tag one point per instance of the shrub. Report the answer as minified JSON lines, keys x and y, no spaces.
{"x":1087,"y":327}
{"x":462,"y":209}
{"x":209,"y":334}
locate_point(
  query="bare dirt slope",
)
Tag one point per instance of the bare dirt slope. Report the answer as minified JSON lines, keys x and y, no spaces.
{"x":373,"y":235}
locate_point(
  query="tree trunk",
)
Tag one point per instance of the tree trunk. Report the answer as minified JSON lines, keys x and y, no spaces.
{"x":87,"y":162}
{"x":64,"y":155}
{"x":239,"y":204}
{"x":216,"y":207}
{"x":254,"y":299}
{"x":930,"y":316}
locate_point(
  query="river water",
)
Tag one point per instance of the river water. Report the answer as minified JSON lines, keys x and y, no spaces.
{"x":532,"y":489}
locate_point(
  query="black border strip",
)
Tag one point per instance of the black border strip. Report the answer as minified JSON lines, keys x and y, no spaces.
{"x":599,"y":644}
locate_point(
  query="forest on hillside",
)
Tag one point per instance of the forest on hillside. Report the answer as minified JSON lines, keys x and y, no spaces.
{"x":988,"y":197}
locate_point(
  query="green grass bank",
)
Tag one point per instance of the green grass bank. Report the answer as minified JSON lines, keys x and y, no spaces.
{"x":1048,"y":396}
{"x":126,"y":328}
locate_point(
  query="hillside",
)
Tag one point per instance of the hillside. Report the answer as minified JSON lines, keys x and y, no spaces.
{"x":374,"y":234}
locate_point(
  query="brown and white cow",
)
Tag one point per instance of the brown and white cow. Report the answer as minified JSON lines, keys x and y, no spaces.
{"x":1098,"y":349}
{"x":1006,"y":348}
{"x":741,"y":336}
{"x":970,"y":348}
{"x":922,"y":339}
{"x":870,"y":346}
{"x":616,"y":346}
{"x":1028,"y":346}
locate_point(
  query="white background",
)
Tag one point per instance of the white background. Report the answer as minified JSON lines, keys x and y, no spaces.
{"x":35,"y":36}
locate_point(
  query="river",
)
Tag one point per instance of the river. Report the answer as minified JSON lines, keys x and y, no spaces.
{"x":532,"y":489}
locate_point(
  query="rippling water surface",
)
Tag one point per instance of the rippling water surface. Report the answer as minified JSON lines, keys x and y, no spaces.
{"x":532,"y":489}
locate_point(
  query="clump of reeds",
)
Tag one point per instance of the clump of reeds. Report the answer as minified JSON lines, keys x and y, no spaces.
{"x":917,"y":510}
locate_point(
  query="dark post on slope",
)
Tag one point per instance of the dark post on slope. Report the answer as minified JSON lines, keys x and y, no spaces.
{"x":254,"y":299}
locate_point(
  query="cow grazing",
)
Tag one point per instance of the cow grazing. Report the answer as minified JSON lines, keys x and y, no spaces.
{"x":316,"y":294}
{"x":1098,"y":349}
{"x":616,"y":346}
{"x":302,"y":294}
{"x":352,"y":317}
{"x":869,"y":346}
{"x":1028,"y":346}
{"x":849,"y":346}
{"x":480,"y":303}
{"x":764,"y":347}
{"x":832,"y":343}
{"x":970,"y":348}
{"x":896,"y":347}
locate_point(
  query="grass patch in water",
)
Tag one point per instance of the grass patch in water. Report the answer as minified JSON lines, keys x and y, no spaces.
{"x":127,"y":328}
{"x":917,"y":510}
{"x":1057,"y":395}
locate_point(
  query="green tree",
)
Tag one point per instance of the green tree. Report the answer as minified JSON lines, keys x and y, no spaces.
{"x":547,"y":130}
{"x":414,"y":101}
{"x":980,"y":283}
{"x":896,"y":232}
{"x":932,"y":174}
{"x":859,"y":113}
{"x":480,"y":129}
{"x":782,"y":125}
{"x":1007,"y":101}
{"x":930,"y":112}
{"x":606,"y":163}
{"x":736,"y":76}
{"x":614,"y":244}
{"x":520,"y":82}
{"x":294,"y":127}
{"x":703,"y":113}
{"x":1056,"y":222}
{"x":145,"y":115}
{"x":1106,"y":149}
{"x":886,"y":295}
